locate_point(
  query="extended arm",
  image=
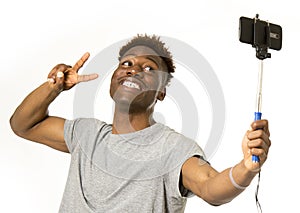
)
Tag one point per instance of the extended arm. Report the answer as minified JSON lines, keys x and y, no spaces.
{"x":219,"y":188}
{"x":31,"y":120}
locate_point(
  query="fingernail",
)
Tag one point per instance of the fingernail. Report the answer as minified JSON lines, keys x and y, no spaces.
{"x":60,"y":74}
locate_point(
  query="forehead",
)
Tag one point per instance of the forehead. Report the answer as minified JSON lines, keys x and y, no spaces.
{"x":140,"y":51}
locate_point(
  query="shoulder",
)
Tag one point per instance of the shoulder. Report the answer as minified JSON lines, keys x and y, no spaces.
{"x":180,"y":146}
{"x":178,"y":138}
{"x":81,"y":130}
{"x":86,"y":129}
{"x":86,"y":124}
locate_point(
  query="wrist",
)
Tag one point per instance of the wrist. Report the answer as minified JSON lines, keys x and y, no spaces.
{"x":240,"y":175}
{"x":234,"y":183}
{"x":249,"y":168}
{"x":53,"y":89}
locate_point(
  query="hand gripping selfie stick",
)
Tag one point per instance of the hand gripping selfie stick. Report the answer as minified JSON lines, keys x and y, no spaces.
{"x":262,"y":36}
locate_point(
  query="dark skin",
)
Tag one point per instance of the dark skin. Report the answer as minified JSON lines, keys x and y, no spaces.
{"x":134,"y":106}
{"x":137,"y":84}
{"x":31,"y":119}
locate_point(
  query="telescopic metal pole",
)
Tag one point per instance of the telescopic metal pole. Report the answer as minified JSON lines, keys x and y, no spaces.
{"x":257,"y":114}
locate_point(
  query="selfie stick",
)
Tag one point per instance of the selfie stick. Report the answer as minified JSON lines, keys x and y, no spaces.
{"x":262,"y":36}
{"x":261,"y":54}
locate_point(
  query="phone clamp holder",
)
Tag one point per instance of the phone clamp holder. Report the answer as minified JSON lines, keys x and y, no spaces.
{"x":261,"y":44}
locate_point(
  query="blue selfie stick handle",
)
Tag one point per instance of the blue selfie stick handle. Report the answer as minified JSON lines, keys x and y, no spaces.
{"x":257,"y":116}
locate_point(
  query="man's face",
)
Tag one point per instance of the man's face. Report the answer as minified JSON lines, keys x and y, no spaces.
{"x":139,"y":79}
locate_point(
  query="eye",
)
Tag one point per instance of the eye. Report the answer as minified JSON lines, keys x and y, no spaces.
{"x":148,"y":69}
{"x":127,"y":64}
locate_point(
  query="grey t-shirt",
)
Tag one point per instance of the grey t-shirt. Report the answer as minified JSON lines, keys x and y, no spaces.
{"x":135,"y":172}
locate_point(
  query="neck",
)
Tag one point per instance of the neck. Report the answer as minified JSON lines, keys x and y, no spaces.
{"x":124,"y":122}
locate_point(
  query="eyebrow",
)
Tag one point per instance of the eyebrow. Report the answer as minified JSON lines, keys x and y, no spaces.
{"x":149,"y":57}
{"x":152,"y":58}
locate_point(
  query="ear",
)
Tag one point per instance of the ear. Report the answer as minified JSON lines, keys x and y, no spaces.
{"x":161,"y":94}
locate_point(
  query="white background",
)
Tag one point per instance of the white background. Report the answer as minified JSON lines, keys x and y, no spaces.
{"x":36,"y":35}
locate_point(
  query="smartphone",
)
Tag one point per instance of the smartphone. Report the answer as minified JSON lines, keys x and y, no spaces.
{"x":257,"y":33}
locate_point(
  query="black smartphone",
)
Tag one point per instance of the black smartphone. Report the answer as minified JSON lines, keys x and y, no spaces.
{"x":258,"y":33}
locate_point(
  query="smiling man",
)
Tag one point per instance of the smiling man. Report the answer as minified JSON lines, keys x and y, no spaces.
{"x":134,"y":164}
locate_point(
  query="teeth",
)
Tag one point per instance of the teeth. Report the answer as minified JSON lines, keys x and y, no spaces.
{"x":131,"y":84}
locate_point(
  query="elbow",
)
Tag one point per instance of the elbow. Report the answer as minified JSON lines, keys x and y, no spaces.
{"x":15,"y":127}
{"x":217,"y":203}
{"x":214,"y":202}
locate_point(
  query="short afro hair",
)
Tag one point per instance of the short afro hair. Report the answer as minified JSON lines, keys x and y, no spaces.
{"x":155,"y":44}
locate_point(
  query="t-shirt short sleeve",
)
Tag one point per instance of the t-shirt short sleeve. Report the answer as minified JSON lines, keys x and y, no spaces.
{"x":69,"y":133}
{"x":184,"y":192}
{"x":79,"y":131}
{"x":185,"y":148}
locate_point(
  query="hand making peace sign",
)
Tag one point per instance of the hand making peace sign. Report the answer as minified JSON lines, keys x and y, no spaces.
{"x":64,"y":77}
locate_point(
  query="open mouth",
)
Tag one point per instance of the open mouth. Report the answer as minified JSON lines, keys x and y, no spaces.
{"x":131,"y":85}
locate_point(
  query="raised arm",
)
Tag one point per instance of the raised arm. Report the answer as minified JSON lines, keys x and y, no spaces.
{"x":31,"y":119}
{"x":221,"y":187}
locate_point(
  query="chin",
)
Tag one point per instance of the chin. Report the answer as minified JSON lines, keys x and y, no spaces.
{"x":133,"y":105}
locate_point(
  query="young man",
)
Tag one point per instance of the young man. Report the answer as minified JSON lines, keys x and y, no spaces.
{"x":134,"y":164}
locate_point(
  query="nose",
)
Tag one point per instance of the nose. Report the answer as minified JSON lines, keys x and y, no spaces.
{"x":134,"y":71}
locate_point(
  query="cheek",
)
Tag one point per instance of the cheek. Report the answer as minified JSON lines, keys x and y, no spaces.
{"x":116,"y":73}
{"x":154,"y":83}
{"x":114,"y":82}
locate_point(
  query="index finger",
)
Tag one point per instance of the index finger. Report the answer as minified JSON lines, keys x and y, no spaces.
{"x":81,"y":61}
{"x":261,"y":124}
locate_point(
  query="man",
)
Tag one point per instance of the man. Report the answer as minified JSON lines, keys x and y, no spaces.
{"x":134,"y":164}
